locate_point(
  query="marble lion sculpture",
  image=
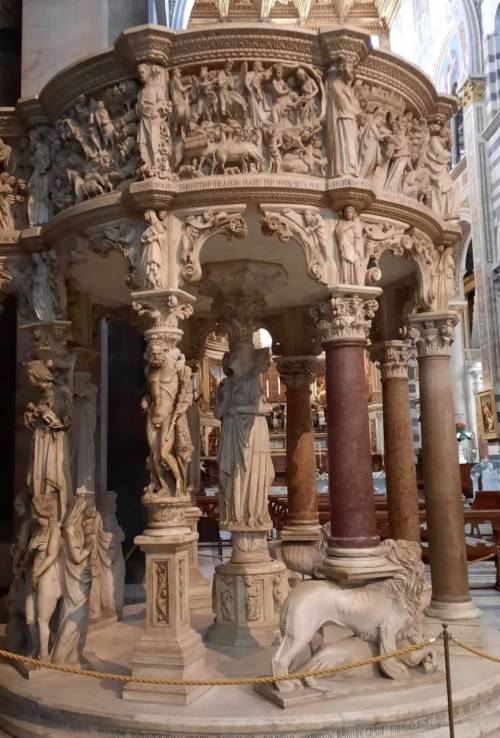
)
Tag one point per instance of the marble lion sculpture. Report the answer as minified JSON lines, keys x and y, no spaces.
{"x":386,"y":613}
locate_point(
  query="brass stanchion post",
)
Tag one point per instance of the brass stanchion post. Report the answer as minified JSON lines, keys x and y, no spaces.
{"x":447,"y":666}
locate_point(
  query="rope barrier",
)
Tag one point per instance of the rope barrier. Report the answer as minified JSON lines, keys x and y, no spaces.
{"x":475,"y":651}
{"x":244,"y":681}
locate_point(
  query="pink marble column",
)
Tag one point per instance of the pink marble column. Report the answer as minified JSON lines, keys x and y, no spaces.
{"x":344,"y":321}
{"x":402,"y":499}
{"x":433,"y":335}
{"x":298,"y":373}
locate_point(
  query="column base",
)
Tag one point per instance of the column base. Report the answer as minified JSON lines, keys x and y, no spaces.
{"x":182,"y":658}
{"x":248,"y":598}
{"x":356,"y":565}
{"x":462,"y":618}
{"x":297,"y":533}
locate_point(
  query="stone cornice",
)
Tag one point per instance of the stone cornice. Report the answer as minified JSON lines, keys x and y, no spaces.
{"x":214,"y":44}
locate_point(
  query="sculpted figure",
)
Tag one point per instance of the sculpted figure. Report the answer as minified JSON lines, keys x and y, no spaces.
{"x":254,"y":81}
{"x":38,"y":186}
{"x":106,"y":593}
{"x":384,"y":613}
{"x":245,"y":466}
{"x":443,"y":199}
{"x":284,"y":99}
{"x":179,"y":94}
{"x":152,"y":111}
{"x":104,"y":126}
{"x":45,"y":590}
{"x":112,"y":576}
{"x":17,"y":633}
{"x":350,"y":241}
{"x":49,"y":475}
{"x":207,"y":97}
{"x":5,"y":156}
{"x":167,"y":430}
{"x":444,"y":278}
{"x":308,"y":91}
{"x":7,"y":201}
{"x":76,"y":579}
{"x":344,"y":109}
{"x":154,"y":244}
{"x":400,"y":160}
{"x":372,"y":131}
{"x":230,"y":102}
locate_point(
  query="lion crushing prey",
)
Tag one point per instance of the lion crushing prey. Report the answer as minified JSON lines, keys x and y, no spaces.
{"x":386,"y":613}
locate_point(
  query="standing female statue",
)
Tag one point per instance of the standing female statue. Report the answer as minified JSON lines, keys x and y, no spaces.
{"x":76,"y":579}
{"x":50,"y":420}
{"x":245,"y":464}
{"x":152,"y":112}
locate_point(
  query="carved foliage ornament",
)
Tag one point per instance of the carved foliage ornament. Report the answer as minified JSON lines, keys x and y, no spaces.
{"x":392,"y":358}
{"x":162,"y":310}
{"x":309,"y":230}
{"x":432,"y":335}
{"x":197,"y":229}
{"x":344,"y":318}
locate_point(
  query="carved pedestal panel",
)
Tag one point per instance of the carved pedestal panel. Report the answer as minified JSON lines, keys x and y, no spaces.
{"x":247,"y":600}
{"x":169,"y":647}
{"x":200,"y":599}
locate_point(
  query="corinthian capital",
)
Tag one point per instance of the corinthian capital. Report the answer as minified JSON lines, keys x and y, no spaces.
{"x":162,"y":311}
{"x":297,"y":372}
{"x":392,"y":358}
{"x":432,"y":333}
{"x":346,"y":315}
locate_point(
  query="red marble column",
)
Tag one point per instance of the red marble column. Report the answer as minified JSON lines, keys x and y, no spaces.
{"x":298,"y":372}
{"x":433,"y":335}
{"x":344,"y":321}
{"x":401,"y":477}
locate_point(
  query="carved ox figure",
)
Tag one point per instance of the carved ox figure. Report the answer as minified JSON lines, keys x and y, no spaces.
{"x":385,"y":613}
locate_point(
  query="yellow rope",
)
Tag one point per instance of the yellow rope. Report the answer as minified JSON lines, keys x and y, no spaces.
{"x":212,"y":682}
{"x":475,"y":651}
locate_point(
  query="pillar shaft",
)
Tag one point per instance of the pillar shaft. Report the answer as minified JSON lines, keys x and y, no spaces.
{"x":402,"y":499}
{"x":352,"y":505}
{"x":303,"y":518}
{"x":433,"y":335}
{"x":354,"y":553}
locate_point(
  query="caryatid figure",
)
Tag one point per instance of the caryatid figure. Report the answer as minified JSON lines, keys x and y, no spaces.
{"x":167,"y":430}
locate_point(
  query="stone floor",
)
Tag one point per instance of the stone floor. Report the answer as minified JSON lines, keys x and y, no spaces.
{"x":113,"y":655}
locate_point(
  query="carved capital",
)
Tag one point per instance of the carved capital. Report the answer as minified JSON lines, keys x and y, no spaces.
{"x":297,"y":372}
{"x":346,"y":316}
{"x":392,"y":358}
{"x":162,"y":310}
{"x":198,"y":228}
{"x":432,"y":333}
{"x":472,"y":91}
{"x":238,"y":289}
{"x":49,"y":339}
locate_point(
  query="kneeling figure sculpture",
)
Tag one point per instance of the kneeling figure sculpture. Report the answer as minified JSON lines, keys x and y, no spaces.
{"x":386,"y":614}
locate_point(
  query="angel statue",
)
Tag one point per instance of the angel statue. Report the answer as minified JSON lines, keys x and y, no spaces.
{"x":167,"y":430}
